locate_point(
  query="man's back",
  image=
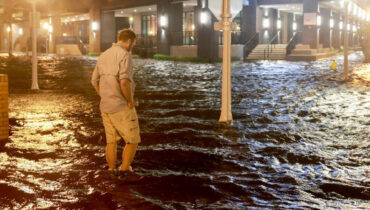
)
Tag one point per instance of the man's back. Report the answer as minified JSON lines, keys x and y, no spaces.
{"x":112,"y":66}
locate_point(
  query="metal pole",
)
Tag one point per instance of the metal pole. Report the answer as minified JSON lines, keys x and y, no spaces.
{"x":35,"y":85}
{"x":226,"y":115}
{"x":345,"y":31}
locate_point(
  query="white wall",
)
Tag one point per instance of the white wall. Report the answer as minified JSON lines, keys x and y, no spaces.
{"x":236,"y":51}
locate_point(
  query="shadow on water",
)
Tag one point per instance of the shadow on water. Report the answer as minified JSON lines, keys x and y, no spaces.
{"x":299,"y":137}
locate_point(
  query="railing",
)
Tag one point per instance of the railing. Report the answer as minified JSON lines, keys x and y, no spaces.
{"x":250,"y":45}
{"x":73,"y":40}
{"x":189,"y":38}
{"x":184,"y":38}
{"x":270,"y":46}
{"x":293,"y":42}
{"x":237,"y":37}
{"x":146,"y":45}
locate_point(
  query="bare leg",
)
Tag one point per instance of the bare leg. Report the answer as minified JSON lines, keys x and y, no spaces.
{"x":128,"y":155}
{"x":111,"y":155}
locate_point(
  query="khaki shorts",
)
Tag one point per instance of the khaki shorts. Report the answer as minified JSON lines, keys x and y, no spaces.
{"x":123,"y":124}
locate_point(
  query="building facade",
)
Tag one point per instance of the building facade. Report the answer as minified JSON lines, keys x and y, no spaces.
{"x":186,"y":27}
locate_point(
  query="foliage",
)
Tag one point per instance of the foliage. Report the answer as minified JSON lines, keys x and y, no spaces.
{"x":93,"y":54}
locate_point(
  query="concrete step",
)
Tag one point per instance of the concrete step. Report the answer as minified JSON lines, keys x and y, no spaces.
{"x":270,"y":57}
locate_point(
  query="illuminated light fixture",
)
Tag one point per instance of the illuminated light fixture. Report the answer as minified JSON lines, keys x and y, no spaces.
{"x":266,"y":23}
{"x":350,"y":7}
{"x":331,"y":23}
{"x":341,"y":25}
{"x":319,"y":20}
{"x":193,"y":27}
{"x":151,"y":33}
{"x":266,"y":13}
{"x":342,"y":4}
{"x":64,"y":34}
{"x":150,"y":9}
{"x":163,"y":21}
{"x":121,"y":11}
{"x":50,"y":29}
{"x":294,"y":26}
{"x":278,"y":24}
{"x":131,"y":19}
{"x":135,"y":10}
{"x":20,"y":31}
{"x":8,"y":29}
{"x":354,"y":28}
{"x":348,"y":27}
{"x":45,"y":25}
{"x":95,"y":26}
{"x":203,"y":17}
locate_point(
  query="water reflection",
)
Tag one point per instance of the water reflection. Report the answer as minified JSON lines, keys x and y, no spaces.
{"x":299,"y":138}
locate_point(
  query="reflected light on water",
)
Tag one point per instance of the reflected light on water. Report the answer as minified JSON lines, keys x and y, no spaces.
{"x":363,"y":72}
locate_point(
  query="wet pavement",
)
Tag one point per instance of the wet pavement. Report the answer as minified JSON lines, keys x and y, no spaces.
{"x":300,"y":137}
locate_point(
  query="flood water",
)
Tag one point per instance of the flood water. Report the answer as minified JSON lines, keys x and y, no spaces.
{"x":299,"y":139}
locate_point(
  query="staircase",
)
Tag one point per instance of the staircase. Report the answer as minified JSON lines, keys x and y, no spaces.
{"x":268,"y":52}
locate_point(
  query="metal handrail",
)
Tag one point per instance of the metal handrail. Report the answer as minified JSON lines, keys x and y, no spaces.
{"x":292,"y":42}
{"x":250,"y":45}
{"x":268,"y":49}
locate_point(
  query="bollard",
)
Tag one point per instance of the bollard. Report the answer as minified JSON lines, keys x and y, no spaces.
{"x":4,"y":104}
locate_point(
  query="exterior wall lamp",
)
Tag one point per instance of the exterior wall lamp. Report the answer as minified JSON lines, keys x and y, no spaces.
{"x":203,"y":17}
{"x":294,"y":26}
{"x":266,"y":23}
{"x":319,"y":20}
{"x":163,"y":21}
{"x":278,"y":24}
{"x":20,"y":31}
{"x":8,"y":29}
{"x":331,"y":23}
{"x":95,"y":26}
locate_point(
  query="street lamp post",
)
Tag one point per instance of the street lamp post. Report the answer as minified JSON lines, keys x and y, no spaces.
{"x":35,"y":85}
{"x":345,"y":31}
{"x":226,"y":115}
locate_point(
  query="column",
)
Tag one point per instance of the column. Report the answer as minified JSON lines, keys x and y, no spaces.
{"x":2,"y":37}
{"x":108,"y":30}
{"x":325,"y":35}
{"x":56,"y":33}
{"x":336,"y":41}
{"x":94,"y":30}
{"x":207,"y":36}
{"x":248,"y":20}
{"x":350,"y":33}
{"x":170,"y":22}
{"x":310,"y":32}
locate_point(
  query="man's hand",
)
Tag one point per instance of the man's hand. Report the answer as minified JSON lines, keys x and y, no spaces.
{"x":126,"y":91}
{"x":130,"y":105}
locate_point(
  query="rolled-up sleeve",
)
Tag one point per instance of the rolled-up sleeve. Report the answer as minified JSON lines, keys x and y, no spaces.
{"x":95,"y":76}
{"x":125,"y":68}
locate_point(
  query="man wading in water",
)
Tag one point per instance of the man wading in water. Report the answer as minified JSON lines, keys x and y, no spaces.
{"x":113,"y":81}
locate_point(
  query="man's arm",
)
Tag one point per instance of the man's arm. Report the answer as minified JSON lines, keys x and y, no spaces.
{"x":95,"y":80}
{"x":126,"y":91}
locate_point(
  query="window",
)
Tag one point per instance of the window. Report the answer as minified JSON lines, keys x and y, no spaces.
{"x":188,"y":28}
{"x":149,"y":25}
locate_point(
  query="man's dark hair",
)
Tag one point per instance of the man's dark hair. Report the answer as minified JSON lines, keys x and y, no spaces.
{"x":126,"y":34}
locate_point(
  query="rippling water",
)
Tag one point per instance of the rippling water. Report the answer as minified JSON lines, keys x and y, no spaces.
{"x":300,"y":137}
